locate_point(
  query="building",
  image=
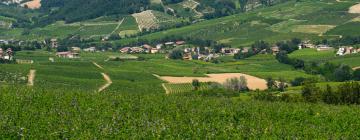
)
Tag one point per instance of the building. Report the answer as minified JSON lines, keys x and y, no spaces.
{"x":179,"y":43}
{"x":70,"y":55}
{"x":54,"y":43}
{"x":230,"y":51}
{"x":275,"y":50}
{"x":154,"y":50}
{"x":136,"y":50}
{"x":90,"y":49}
{"x":147,"y":48}
{"x":159,"y":46}
{"x":306,"y":44}
{"x":346,"y":51}
{"x":75,"y":49}
{"x":125,"y":50}
{"x":169,"y":43}
{"x":1,"y":53}
{"x":323,"y":48}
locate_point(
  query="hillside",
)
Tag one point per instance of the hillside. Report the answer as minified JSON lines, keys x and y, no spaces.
{"x":307,"y":19}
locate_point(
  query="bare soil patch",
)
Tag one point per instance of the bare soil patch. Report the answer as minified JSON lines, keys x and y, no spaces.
{"x":355,"y":9}
{"x":253,"y":82}
{"x":34,"y":4}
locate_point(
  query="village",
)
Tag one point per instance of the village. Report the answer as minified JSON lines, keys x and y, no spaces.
{"x":188,"y":51}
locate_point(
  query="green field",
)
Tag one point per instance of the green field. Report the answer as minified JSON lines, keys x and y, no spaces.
{"x":312,"y":55}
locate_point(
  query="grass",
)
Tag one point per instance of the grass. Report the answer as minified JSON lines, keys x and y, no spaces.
{"x":313,"y":55}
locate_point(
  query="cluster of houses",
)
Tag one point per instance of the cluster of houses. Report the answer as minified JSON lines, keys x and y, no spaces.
{"x":159,"y":48}
{"x":347,"y":50}
{"x":7,"y":54}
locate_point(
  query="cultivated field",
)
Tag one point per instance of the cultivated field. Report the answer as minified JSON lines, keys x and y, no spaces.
{"x":355,"y":9}
{"x":32,"y":4}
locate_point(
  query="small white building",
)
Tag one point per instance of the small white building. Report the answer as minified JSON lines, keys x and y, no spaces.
{"x":70,"y":55}
{"x":90,"y":49}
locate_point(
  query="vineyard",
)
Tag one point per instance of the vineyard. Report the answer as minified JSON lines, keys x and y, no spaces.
{"x":146,"y":20}
{"x":182,"y":88}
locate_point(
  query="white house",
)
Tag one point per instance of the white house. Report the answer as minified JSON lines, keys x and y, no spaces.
{"x":70,"y":55}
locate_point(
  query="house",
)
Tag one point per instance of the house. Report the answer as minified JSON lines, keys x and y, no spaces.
{"x":323,"y":48}
{"x":346,"y":50}
{"x":154,"y":50}
{"x":67,"y":55}
{"x":159,"y":46}
{"x":230,"y":51}
{"x":245,"y":50}
{"x":179,"y":43}
{"x":125,"y":50}
{"x":188,"y":50}
{"x":1,"y":53}
{"x":75,"y":49}
{"x":187,"y":56}
{"x":275,"y":50}
{"x":8,"y":55}
{"x":169,"y":43}
{"x":306,"y":44}
{"x":54,"y":43}
{"x":147,"y":48}
{"x":136,"y":50}
{"x":91,"y":49}
{"x":341,"y":51}
{"x":4,"y":42}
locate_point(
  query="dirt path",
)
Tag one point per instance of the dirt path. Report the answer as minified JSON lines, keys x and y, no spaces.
{"x":166,"y":90}
{"x":97,"y":65}
{"x":108,"y":82}
{"x":355,"y":68}
{"x":118,"y":26}
{"x":31,"y":77}
{"x":253,"y":82}
{"x":355,"y":9}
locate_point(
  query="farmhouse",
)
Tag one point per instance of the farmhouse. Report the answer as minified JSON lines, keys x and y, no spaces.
{"x":147,"y":48}
{"x":68,"y":55}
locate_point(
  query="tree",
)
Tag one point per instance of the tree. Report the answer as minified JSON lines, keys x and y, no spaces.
{"x":343,"y":73}
{"x":310,"y":92}
{"x":196,"y":84}
{"x":282,"y":85}
{"x":271,"y":83}
{"x":243,"y":84}
{"x":176,"y":54}
{"x":329,"y":96}
{"x":298,"y":81}
{"x":236,"y":84}
{"x":356,"y":75}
